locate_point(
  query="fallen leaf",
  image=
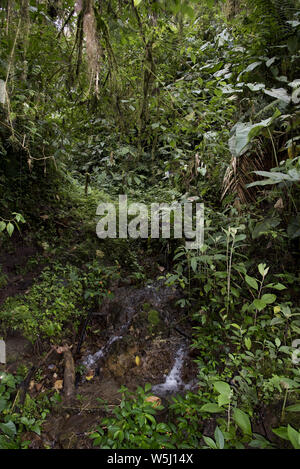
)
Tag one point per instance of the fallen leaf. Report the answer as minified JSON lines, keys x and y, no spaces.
{"x":155,"y":400}
{"x":137,"y":361}
{"x":31,"y":385}
{"x":90,"y":375}
{"x":58,"y":385}
{"x":279,"y":204}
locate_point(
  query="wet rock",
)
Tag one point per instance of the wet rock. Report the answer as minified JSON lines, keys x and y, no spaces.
{"x":119,"y":365}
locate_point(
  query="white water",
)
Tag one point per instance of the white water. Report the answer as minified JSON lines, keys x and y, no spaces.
{"x":92,"y":359}
{"x":173,"y":381}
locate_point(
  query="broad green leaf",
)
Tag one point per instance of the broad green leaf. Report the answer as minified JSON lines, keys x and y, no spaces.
{"x":270,"y":61}
{"x":296,"y":96}
{"x":222,"y":388}
{"x":194,"y":264}
{"x":223,"y":399}
{"x":255,"y":86}
{"x":281,"y":432}
{"x":248,"y":343}
{"x":252,"y":282}
{"x":219,"y":437}
{"x":279,"y":93}
{"x":243,"y":133}
{"x":148,"y":387}
{"x":294,"y":437}
{"x":268,"y":298}
{"x":293,"y":408}
{"x":295,"y":83}
{"x":250,"y":68}
{"x":276,"y":177}
{"x":151,"y":418}
{"x":10,"y":228}
{"x":295,"y":328}
{"x":210,"y":442}
{"x":210,"y":407}
{"x":276,"y":321}
{"x":277,"y":286}
{"x":259,"y":304}
{"x":287,"y":383}
{"x":162,"y":428}
{"x":243,"y":421}
{"x":236,"y":326}
{"x":263,"y":269}
{"x":8,"y":428}
{"x":36,"y":428}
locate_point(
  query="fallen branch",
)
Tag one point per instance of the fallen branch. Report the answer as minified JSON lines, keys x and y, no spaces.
{"x":69,"y":375}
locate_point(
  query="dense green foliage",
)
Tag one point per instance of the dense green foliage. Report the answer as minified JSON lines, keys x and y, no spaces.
{"x":162,"y":101}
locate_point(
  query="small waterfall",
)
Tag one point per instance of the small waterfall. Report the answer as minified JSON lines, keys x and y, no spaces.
{"x":91,"y":360}
{"x":130,"y":302}
{"x":173,"y":381}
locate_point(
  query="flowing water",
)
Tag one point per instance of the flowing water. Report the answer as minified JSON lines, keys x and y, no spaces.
{"x":127,"y":304}
{"x":173,"y":382}
{"x":91,"y":360}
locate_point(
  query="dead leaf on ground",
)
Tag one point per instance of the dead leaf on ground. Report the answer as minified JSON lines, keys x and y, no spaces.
{"x":90,"y":375}
{"x":31,"y":385}
{"x":279,"y":204}
{"x":58,"y":385}
{"x":155,"y":400}
{"x":137,"y":361}
{"x":38,"y":386}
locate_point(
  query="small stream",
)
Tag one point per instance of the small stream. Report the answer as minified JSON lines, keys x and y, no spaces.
{"x":91,"y":360}
{"x":110,"y":358}
{"x":173,"y":382}
{"x":128,"y":302}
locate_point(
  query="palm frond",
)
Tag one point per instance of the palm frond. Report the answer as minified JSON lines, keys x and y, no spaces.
{"x":240,"y":173}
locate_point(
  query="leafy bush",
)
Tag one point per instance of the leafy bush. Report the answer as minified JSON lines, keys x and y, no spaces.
{"x":15,"y":422}
{"x":47,"y":307}
{"x":134,"y":425}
